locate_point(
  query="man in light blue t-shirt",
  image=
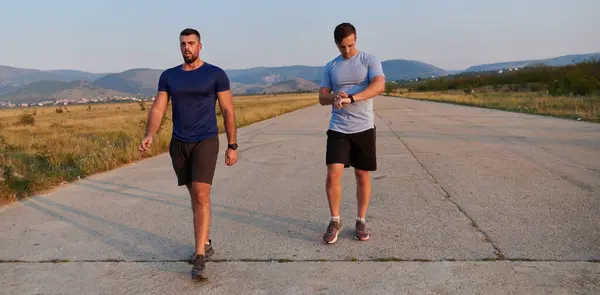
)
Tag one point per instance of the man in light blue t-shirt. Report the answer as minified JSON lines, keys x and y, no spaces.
{"x":350,"y":81}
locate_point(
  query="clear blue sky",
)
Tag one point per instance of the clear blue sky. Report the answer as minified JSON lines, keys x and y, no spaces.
{"x":111,"y":36}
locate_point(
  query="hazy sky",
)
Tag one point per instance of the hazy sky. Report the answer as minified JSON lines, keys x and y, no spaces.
{"x":111,"y":36}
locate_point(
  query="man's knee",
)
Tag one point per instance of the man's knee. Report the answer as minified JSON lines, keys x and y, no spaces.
{"x":362,"y":177}
{"x":334,"y":173}
{"x":200,"y":193}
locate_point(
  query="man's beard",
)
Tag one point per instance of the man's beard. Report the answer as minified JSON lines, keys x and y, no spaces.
{"x":190,"y":59}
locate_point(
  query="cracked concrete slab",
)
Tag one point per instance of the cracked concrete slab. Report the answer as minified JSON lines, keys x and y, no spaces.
{"x":271,"y":205}
{"x":304,"y":278}
{"x":453,"y":184}
{"x":532,"y":183}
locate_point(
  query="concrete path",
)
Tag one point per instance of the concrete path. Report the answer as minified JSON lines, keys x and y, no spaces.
{"x":465,"y":201}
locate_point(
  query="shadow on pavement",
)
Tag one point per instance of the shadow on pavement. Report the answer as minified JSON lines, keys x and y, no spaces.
{"x":283,"y":226}
{"x":129,"y":249}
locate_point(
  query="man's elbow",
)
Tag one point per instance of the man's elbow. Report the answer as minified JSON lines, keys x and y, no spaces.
{"x":322,"y":100}
{"x":157,"y":110}
{"x":228,"y":112}
{"x":379,"y":85}
{"x":380,"y":88}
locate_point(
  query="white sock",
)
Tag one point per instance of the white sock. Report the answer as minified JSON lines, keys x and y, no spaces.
{"x":335,"y":218}
{"x":361,"y":220}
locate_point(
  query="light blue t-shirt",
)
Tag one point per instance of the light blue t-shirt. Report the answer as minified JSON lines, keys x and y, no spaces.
{"x":352,"y":76}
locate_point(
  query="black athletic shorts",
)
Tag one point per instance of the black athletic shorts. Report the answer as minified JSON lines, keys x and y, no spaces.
{"x":356,"y":150}
{"x":195,"y":161}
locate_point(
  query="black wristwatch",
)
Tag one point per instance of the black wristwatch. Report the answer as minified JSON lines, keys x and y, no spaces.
{"x":351,"y":98}
{"x":233,"y":146}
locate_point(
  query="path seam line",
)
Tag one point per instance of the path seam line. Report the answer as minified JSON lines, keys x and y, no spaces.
{"x":497,"y":251}
{"x":391,"y":259}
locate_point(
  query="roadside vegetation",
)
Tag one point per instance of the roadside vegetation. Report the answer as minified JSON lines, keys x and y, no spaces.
{"x":570,"y":92}
{"x":41,"y":148}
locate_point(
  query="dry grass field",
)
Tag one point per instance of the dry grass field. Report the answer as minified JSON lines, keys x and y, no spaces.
{"x":583,"y":108}
{"x":43,"y":147}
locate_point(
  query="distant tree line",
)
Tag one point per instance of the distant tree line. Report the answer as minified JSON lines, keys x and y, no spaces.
{"x":576,"y":79}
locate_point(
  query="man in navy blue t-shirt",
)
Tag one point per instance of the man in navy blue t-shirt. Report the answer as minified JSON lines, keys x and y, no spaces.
{"x":193,"y":89}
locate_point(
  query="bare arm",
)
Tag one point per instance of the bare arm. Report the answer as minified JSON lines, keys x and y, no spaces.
{"x":328,"y":98}
{"x":325,"y":96}
{"x":156,"y":113}
{"x":376,"y":87}
{"x":226,"y":105}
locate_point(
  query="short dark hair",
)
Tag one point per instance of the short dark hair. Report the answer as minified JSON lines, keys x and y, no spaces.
{"x":189,"y":31}
{"x":342,"y":31}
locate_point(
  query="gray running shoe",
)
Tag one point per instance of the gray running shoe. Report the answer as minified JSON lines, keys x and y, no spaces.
{"x":362,"y":233}
{"x":333,"y":230}
{"x":208,"y":252}
{"x":199,"y":263}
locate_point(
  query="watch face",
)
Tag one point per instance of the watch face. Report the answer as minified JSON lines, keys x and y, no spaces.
{"x":233,"y":146}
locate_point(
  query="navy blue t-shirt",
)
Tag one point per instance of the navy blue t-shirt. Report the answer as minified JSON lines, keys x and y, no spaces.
{"x":194,"y":96}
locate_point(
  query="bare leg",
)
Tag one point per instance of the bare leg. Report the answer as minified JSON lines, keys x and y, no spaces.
{"x":200,"y":195}
{"x":363,"y":191}
{"x":334,"y":187}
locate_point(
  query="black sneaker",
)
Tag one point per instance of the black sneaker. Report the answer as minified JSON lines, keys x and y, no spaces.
{"x":208,"y":252}
{"x":199,"y":263}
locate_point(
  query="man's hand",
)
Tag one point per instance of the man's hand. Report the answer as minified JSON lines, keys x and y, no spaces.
{"x":342,"y":103}
{"x":230,"y":157}
{"x":340,"y":95}
{"x":340,"y":99}
{"x":145,"y":144}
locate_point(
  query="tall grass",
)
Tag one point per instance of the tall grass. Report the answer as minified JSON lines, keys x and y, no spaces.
{"x":43,"y":147}
{"x":581,"y":108}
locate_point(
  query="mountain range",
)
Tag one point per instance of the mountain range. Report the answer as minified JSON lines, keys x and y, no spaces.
{"x":60,"y":90}
{"x":555,"y":61}
{"x":29,"y":85}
